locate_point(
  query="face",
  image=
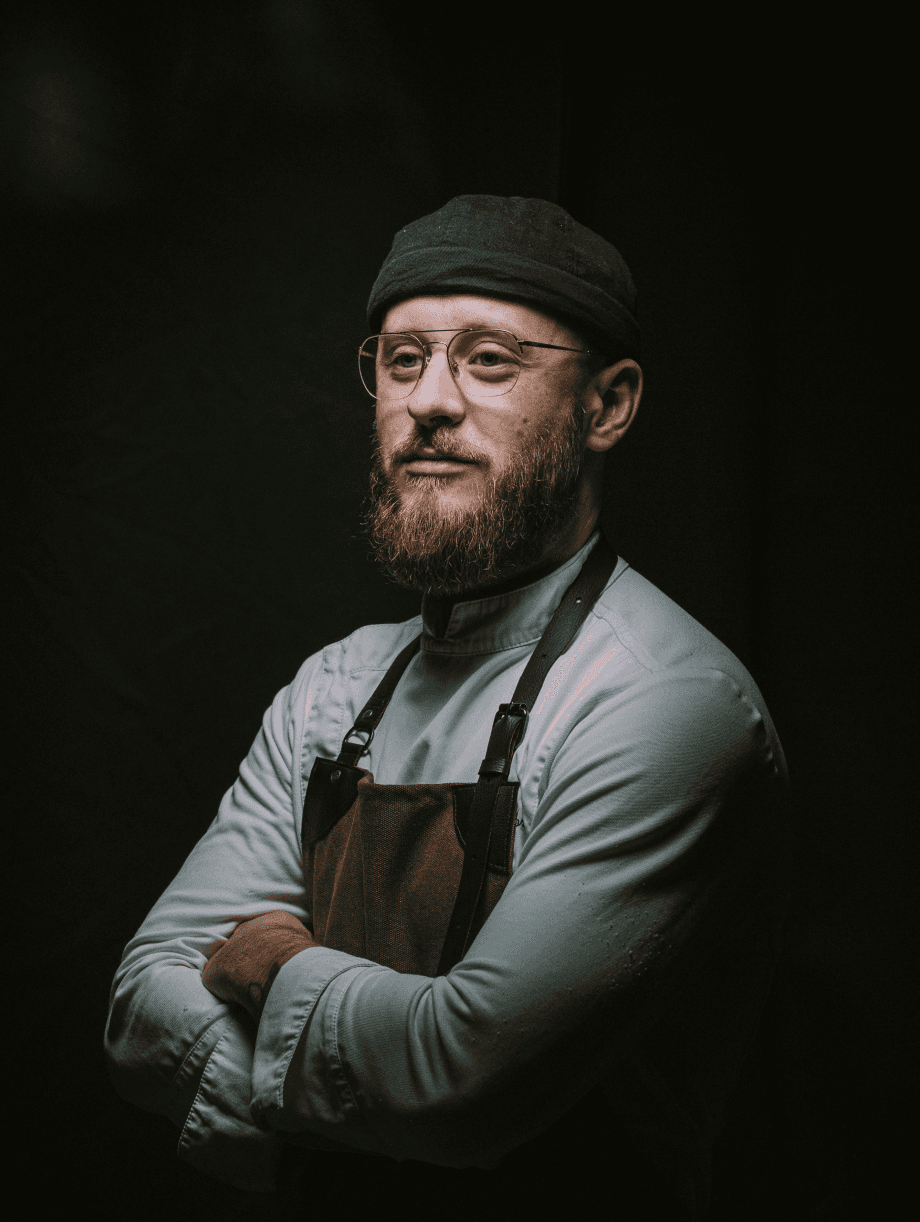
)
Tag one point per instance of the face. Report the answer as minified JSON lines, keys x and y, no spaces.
{"x":467,"y":491}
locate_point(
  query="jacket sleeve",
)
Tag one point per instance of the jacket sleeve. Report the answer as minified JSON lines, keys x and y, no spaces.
{"x":651,"y":866}
{"x":172,"y":1047}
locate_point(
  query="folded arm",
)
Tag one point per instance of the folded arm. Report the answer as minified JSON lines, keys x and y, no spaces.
{"x":173,"y":1046}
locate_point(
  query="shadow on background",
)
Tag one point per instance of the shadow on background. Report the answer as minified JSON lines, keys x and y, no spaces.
{"x":197,"y":199}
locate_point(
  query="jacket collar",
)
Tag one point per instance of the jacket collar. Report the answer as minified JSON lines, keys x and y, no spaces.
{"x":504,"y":621}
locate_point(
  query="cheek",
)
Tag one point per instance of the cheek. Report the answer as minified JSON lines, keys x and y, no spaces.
{"x":391,"y":432}
{"x":544,"y":405}
{"x":524,"y":429}
{"x":383,"y":423}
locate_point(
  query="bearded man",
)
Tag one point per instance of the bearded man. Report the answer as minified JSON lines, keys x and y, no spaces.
{"x":493,"y":904}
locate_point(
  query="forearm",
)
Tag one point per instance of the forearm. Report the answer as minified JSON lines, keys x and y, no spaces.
{"x":174,"y":1049}
{"x":173,"y":1046}
{"x":162,"y":1026}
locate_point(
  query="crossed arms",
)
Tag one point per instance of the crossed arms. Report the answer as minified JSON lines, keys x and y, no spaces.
{"x":645,"y":885}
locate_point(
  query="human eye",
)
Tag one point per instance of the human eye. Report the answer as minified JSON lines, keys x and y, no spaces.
{"x":491,"y":360}
{"x":489,"y":357}
{"x":401,"y":358}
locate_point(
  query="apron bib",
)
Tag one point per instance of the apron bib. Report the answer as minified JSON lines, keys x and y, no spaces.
{"x":381,"y":883}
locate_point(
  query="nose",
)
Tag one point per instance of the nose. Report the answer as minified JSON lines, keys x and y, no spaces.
{"x":436,"y":398}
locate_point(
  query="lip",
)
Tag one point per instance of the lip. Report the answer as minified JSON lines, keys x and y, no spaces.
{"x":436,"y":466}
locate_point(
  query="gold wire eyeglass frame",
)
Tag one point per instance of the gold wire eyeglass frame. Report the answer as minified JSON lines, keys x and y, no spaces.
{"x":369,"y":354}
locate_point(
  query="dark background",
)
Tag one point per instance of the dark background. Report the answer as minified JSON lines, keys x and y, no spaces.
{"x":197,"y":197}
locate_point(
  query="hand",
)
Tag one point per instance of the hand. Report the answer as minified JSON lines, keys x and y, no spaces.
{"x":244,"y":968}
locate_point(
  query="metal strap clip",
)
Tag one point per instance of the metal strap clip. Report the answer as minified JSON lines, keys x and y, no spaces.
{"x":359,"y":748}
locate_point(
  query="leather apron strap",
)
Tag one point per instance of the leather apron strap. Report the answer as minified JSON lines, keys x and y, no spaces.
{"x":507,"y":732}
{"x":338,"y":779}
{"x":369,"y":717}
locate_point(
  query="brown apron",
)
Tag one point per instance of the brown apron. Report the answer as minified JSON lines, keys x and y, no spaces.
{"x":406,"y":875}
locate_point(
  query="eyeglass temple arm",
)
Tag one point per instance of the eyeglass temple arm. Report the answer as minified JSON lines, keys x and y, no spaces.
{"x":532,"y":343}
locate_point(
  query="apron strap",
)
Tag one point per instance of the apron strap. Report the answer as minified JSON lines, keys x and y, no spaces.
{"x":369,"y":717}
{"x":507,"y":732}
{"x":569,"y":616}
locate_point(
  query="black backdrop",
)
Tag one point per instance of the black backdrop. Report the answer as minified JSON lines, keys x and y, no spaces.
{"x":197,"y":198}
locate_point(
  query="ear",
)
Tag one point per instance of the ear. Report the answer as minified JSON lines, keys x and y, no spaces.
{"x":611,"y":402}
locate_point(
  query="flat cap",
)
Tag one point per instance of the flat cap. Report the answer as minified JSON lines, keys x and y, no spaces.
{"x":525,"y":250}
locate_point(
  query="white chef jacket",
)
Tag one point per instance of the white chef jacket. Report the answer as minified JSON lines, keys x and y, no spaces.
{"x":639,"y":923}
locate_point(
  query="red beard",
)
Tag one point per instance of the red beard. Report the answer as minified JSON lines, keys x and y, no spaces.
{"x":445,"y":551}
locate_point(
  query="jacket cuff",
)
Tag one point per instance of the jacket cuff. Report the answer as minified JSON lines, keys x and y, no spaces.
{"x":294,"y":994}
{"x":219,"y":1137}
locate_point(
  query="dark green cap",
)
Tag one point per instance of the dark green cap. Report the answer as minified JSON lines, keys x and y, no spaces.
{"x":524,"y":250}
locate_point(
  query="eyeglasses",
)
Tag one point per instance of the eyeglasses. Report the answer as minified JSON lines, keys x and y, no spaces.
{"x":483,"y":362}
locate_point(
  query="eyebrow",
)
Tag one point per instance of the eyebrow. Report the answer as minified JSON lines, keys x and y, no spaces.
{"x":473,"y":326}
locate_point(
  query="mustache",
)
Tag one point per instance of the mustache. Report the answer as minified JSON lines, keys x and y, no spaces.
{"x":441,"y":442}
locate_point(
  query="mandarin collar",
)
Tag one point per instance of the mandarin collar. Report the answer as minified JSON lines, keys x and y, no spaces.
{"x":504,"y":621}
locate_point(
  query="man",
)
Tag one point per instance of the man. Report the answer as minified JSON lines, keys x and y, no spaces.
{"x":540,"y":968}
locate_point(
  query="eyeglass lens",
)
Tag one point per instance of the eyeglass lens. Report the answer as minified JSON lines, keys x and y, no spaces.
{"x":483,"y":362}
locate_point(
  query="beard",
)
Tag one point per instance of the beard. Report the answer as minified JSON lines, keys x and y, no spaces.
{"x":445,"y":550}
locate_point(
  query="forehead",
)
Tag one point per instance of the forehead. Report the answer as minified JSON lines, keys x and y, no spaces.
{"x":456,"y":310}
